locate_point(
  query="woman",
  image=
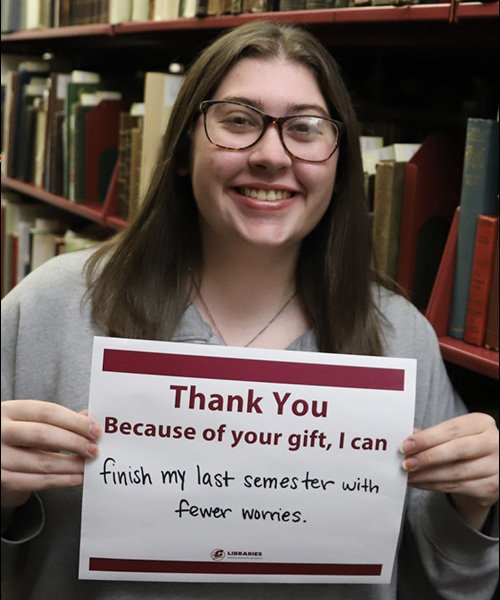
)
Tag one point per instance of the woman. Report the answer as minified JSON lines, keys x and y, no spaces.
{"x":253,"y":233}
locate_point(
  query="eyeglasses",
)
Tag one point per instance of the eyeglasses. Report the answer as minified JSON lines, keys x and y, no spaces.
{"x":237,"y":126}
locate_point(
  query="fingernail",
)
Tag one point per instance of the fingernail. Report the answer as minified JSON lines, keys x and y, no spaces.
{"x":91,"y":450}
{"x":94,"y":430}
{"x":407,"y":446}
{"x":410,"y":464}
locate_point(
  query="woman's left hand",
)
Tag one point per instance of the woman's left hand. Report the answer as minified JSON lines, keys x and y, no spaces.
{"x":458,"y":457}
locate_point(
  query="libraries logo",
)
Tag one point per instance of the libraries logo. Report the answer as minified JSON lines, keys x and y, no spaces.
{"x":219,"y":554}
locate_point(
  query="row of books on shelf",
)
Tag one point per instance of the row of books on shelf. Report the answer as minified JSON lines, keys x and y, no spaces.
{"x":414,"y":190}
{"x":64,"y":132}
{"x":34,"y":14}
{"x":32,"y":233}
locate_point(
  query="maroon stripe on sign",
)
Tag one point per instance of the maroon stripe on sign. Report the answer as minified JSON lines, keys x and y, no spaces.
{"x":241,"y":369}
{"x":228,"y":568}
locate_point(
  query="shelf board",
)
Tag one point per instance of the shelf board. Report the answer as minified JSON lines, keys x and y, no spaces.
{"x":91,"y":212}
{"x":349,"y":15}
{"x":480,"y":360}
{"x":115,"y":222}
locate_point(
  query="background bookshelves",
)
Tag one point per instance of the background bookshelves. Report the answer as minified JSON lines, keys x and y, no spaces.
{"x":413,"y":71}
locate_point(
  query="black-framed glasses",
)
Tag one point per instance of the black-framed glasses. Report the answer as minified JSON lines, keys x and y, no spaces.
{"x":237,"y":126}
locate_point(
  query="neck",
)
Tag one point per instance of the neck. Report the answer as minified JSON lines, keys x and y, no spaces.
{"x":243,"y":291}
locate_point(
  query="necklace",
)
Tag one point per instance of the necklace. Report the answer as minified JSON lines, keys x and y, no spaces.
{"x":258,"y":334}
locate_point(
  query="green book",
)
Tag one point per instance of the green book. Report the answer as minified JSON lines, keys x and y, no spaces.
{"x":81,"y":81}
{"x":479,"y":196}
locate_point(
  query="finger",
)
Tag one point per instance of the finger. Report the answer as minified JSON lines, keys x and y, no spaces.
{"x":28,"y":461}
{"x":465,"y":425}
{"x":486,"y":488}
{"x":460,"y":449}
{"x":458,"y":471}
{"x":50,"y":413}
{"x":29,"y":482}
{"x":46,"y":437}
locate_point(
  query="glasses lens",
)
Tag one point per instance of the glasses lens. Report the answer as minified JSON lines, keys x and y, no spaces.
{"x":233,"y":126}
{"x":310,"y":138}
{"x":236,"y":127}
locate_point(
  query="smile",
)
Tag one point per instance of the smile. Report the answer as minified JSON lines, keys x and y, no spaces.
{"x":265,"y":195}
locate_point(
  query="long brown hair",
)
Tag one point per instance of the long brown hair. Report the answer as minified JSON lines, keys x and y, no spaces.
{"x":139,"y":281}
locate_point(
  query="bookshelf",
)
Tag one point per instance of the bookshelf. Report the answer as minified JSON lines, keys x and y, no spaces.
{"x":451,"y":49}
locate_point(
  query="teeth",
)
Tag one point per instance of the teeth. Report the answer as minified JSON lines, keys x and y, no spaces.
{"x":265,"y":195}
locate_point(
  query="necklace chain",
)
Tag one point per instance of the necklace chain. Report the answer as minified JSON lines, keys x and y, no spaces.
{"x":258,"y":334}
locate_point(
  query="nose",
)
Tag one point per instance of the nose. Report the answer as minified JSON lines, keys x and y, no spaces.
{"x":269,"y":152}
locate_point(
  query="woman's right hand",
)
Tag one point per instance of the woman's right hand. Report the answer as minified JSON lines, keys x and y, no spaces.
{"x":43,"y":446}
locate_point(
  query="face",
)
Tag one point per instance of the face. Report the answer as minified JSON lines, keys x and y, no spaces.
{"x":261,"y":195}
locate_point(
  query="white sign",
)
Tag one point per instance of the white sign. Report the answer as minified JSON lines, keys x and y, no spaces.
{"x":236,"y":464}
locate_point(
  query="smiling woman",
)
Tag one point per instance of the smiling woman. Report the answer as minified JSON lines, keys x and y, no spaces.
{"x":254,"y":232}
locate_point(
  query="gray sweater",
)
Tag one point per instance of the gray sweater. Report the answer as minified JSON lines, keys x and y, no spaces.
{"x":47,"y":338}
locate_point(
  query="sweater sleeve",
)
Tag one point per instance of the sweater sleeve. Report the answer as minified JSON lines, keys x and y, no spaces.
{"x":441,"y":556}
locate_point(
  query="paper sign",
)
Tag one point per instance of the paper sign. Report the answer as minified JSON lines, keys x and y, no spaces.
{"x":235,"y":464}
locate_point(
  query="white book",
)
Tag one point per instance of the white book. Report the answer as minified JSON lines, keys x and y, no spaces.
{"x":140,"y":10}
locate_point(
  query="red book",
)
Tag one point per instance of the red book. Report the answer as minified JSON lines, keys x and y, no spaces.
{"x":491,"y":341}
{"x":481,"y":278}
{"x":102,"y":125}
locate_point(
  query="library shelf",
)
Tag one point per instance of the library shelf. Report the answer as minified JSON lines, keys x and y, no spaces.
{"x":475,"y":358}
{"x":92,"y":212}
{"x":480,"y":360}
{"x":447,"y":12}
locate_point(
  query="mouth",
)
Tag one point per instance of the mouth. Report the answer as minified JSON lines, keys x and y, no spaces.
{"x":264,"y":195}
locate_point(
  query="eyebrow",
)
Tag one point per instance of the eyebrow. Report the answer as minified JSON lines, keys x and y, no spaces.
{"x":291,"y":109}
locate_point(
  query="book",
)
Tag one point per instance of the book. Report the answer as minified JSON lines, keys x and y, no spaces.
{"x":80,"y":81}
{"x":8,"y":119}
{"x":140,"y":10}
{"x":124,"y":143}
{"x":388,"y":198}
{"x":27,"y":70}
{"x":52,"y":170}
{"x":37,"y":14}
{"x":77,"y":149}
{"x":491,"y":336}
{"x":45,"y":240}
{"x":431,"y":195}
{"x":11,"y":16}
{"x":39,"y":139}
{"x":102,"y":124}
{"x":32,"y":95}
{"x":160,"y":92}
{"x":479,"y":195}
{"x":166,"y":10}
{"x":481,"y":278}
{"x":135,"y":166}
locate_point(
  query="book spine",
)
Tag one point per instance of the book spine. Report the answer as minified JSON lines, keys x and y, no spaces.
{"x":480,"y":284}
{"x":478,"y":196}
{"x":491,"y":338}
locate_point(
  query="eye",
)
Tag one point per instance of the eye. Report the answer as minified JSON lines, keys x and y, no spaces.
{"x":238,"y":119}
{"x":304,"y":127}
